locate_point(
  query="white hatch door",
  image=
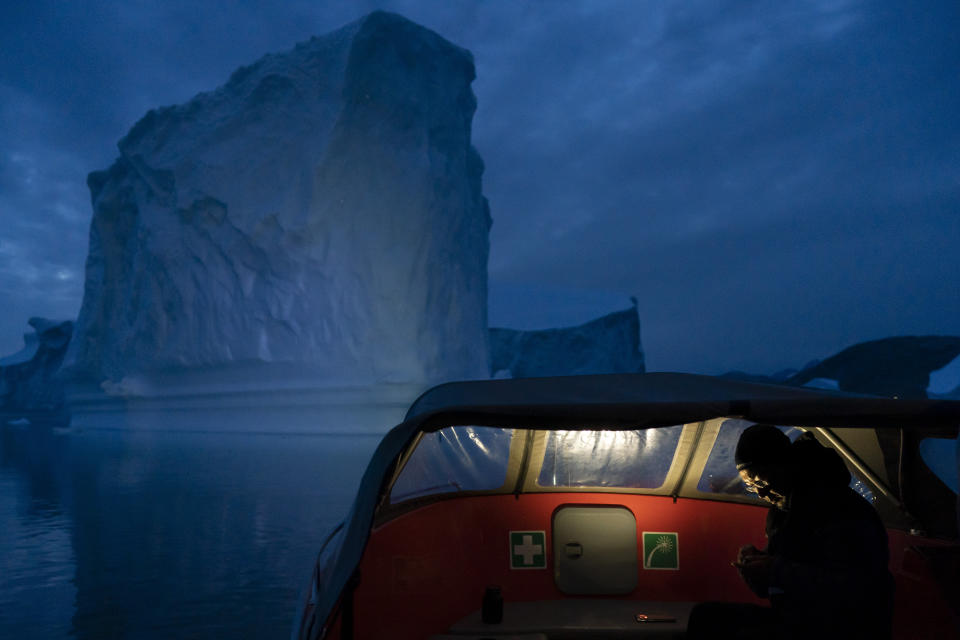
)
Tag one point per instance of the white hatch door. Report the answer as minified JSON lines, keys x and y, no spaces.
{"x":595,"y":550}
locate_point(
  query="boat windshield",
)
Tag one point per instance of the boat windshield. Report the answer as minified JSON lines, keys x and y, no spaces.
{"x":720,"y":474}
{"x":628,"y":459}
{"x":455,"y":459}
{"x":471,"y":458}
{"x":693,"y":460}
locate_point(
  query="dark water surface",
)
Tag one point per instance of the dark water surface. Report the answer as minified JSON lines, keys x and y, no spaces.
{"x":118,"y":534}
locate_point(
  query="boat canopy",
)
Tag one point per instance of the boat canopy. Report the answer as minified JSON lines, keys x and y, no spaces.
{"x":659,"y":434}
{"x":661,"y":399}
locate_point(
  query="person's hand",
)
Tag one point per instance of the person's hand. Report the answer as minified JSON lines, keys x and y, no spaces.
{"x":747,"y":551}
{"x":755,"y":571}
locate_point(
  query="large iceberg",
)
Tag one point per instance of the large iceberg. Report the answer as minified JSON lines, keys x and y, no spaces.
{"x":316,"y":223}
{"x":319,"y":217}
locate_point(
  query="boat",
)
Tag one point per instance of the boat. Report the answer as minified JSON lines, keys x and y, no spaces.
{"x":606,"y":506}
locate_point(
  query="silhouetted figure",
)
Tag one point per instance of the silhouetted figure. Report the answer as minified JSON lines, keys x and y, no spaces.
{"x":824,"y":569}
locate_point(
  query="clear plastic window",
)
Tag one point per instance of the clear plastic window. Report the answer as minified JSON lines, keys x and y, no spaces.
{"x":629,"y":459}
{"x":455,"y":459}
{"x":720,"y":474}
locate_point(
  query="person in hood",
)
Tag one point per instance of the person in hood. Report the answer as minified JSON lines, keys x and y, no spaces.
{"x":825,"y":567}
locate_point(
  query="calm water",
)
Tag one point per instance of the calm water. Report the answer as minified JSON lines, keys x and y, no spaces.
{"x":108,"y":534}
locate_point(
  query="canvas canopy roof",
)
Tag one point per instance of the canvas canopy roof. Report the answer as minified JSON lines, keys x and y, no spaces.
{"x":661,"y":399}
{"x":697,"y":407}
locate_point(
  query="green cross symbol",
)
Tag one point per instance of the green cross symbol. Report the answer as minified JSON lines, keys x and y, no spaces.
{"x":528,"y":550}
{"x":661,"y":550}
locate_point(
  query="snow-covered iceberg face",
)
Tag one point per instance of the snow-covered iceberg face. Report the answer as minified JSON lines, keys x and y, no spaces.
{"x":323,"y":207}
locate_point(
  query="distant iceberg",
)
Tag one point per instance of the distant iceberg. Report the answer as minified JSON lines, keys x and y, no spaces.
{"x":29,"y":384}
{"x":898,"y":366}
{"x":946,"y":380}
{"x":610,"y":344}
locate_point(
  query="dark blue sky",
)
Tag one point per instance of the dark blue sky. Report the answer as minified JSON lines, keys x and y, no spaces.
{"x":773,"y":181}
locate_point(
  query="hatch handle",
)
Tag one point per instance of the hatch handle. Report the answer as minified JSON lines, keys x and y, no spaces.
{"x":573,"y":549}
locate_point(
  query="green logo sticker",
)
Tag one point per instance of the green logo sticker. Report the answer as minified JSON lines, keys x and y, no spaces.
{"x":661,"y":550}
{"x":528,"y":550}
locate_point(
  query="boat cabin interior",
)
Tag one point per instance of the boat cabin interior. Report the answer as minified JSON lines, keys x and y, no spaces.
{"x":600,"y":530}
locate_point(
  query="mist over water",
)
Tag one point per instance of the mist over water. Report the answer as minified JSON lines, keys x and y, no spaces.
{"x":109,"y":534}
